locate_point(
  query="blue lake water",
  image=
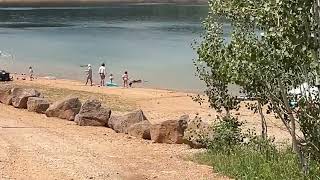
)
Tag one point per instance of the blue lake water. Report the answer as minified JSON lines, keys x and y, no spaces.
{"x":151,"y":42}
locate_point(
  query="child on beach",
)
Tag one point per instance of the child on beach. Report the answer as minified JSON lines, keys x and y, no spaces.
{"x":102,"y":72}
{"x":111,"y":78}
{"x":125,"y":78}
{"x":30,"y":73}
{"x":89,"y":74}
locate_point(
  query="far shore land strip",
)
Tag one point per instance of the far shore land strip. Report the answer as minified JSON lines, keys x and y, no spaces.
{"x":69,"y":3}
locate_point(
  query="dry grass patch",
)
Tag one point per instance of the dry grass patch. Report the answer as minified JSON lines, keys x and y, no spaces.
{"x":114,"y":102}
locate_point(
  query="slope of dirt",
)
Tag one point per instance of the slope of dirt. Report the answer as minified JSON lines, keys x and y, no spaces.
{"x":33,"y":146}
{"x":158,"y":105}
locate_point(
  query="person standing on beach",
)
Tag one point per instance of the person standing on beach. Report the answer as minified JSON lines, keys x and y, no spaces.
{"x":102,"y":72}
{"x":111,"y":78}
{"x":31,"y":73}
{"x":89,"y":74}
{"x":125,"y":78}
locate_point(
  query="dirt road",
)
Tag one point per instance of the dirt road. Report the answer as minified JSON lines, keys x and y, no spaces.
{"x":33,"y":146}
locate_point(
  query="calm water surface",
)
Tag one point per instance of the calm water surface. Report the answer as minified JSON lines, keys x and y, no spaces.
{"x":152,"y":42}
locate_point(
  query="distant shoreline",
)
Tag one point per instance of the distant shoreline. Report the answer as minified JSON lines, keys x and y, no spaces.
{"x":81,"y":3}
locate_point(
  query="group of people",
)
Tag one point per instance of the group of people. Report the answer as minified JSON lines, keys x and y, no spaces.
{"x":102,"y":73}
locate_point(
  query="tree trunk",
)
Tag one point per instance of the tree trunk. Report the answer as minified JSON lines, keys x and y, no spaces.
{"x":264,"y":128}
{"x":296,"y":148}
{"x":316,"y":10}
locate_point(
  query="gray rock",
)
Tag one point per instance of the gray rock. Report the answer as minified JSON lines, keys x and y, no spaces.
{"x":120,"y":124}
{"x":4,"y":87}
{"x":67,"y":108}
{"x":37,"y":104}
{"x":93,"y":114}
{"x":20,"y":96}
{"x":170,"y":131}
{"x":140,"y":130}
{"x":6,"y":97}
{"x":5,"y":93}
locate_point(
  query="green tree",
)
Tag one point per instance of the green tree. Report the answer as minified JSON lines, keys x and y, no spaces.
{"x":273,"y":48}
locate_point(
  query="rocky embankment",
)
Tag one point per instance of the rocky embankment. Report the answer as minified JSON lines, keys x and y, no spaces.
{"x":93,"y":113}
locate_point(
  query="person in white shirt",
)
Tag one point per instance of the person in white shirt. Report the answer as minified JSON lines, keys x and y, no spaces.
{"x":102,"y":72}
{"x":125,"y":78}
{"x":31,"y":73}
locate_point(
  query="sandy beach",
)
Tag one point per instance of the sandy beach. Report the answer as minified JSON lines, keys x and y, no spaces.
{"x":158,"y":104}
{"x":33,"y":146}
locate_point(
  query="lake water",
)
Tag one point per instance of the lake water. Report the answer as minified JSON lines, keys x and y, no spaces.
{"x":152,"y":42}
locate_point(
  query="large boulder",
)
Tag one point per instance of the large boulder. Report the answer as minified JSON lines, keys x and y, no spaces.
{"x":93,"y":114}
{"x":120,"y":124}
{"x":140,"y":130}
{"x":6,"y":97}
{"x":67,"y":108}
{"x":37,"y":104}
{"x":197,"y":133}
{"x":20,"y":96}
{"x":170,"y":131}
{"x":5,"y":87}
{"x":5,"y":93}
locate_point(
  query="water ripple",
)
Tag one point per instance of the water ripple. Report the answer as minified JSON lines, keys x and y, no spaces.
{"x":32,"y":25}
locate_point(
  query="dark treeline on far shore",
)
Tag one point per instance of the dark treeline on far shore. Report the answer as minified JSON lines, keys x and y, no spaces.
{"x":75,"y":3}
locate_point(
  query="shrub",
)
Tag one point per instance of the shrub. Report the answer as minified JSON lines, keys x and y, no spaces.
{"x":198,"y":132}
{"x":309,"y":121}
{"x":244,"y":155}
{"x":226,"y":134}
{"x":259,"y":159}
{"x":245,"y":162}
